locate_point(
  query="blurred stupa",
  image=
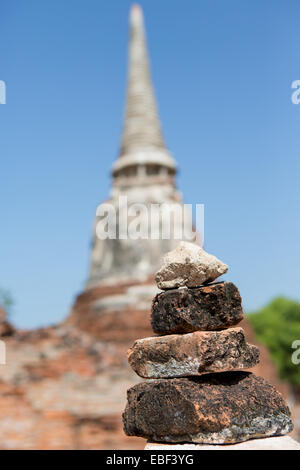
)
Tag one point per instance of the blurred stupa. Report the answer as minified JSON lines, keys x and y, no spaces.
{"x":144,"y":172}
{"x":121,"y":269}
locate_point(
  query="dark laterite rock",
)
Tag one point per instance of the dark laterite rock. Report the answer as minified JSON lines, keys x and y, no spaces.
{"x":215,"y":409}
{"x":211,"y":307}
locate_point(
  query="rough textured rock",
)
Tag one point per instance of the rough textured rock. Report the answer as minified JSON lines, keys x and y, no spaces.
{"x":217,"y":408}
{"x":192,"y":354}
{"x":188,"y":265}
{"x":210,"y":307}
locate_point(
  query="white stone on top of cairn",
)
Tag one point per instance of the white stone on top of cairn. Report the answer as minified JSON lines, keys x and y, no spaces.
{"x":188,"y":265}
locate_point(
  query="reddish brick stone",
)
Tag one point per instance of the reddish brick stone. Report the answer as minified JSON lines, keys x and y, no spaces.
{"x":192,"y":354}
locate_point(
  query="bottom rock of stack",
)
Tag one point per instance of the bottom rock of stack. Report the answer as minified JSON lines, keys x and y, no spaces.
{"x":218,"y":408}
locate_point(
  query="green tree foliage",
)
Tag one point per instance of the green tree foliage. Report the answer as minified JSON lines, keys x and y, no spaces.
{"x":277,"y":325}
{"x":6,"y":301}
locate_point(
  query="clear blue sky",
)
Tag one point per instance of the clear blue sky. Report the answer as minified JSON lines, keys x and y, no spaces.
{"x":222,"y":72}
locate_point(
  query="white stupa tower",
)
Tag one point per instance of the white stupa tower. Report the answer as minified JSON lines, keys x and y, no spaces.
{"x":144,"y":172}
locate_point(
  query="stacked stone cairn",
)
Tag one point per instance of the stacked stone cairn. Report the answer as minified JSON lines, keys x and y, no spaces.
{"x":199,"y":390}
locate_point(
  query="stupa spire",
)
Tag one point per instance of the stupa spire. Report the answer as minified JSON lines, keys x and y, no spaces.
{"x":144,"y":173}
{"x":142,"y":141}
{"x":141,"y":126}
